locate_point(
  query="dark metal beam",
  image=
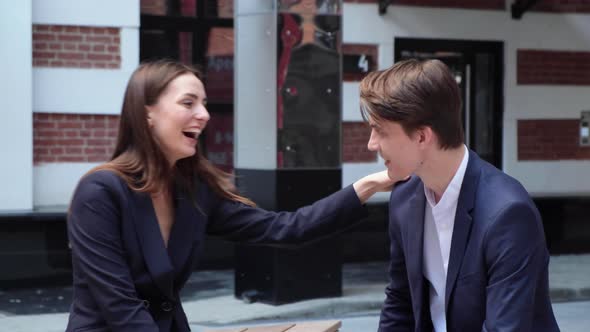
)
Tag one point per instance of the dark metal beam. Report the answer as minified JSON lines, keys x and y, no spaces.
{"x":383,"y":4}
{"x":182,"y":23}
{"x":519,"y":7}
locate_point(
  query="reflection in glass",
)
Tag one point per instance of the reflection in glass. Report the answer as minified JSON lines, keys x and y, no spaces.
{"x":219,"y":67}
{"x":185,"y":47}
{"x":219,"y":142}
{"x":166,"y":44}
{"x":484,"y":106}
{"x":211,"y":8}
{"x":309,"y":91}
{"x":187,"y":7}
{"x":311,"y":7}
{"x":219,"y":8}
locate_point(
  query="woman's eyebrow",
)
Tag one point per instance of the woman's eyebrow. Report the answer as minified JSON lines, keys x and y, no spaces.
{"x":192,"y":95}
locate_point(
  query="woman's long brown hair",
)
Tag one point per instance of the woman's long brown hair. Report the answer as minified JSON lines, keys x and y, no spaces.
{"x":137,"y":157}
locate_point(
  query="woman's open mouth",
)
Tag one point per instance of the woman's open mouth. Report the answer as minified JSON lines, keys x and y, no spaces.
{"x":191,"y":134}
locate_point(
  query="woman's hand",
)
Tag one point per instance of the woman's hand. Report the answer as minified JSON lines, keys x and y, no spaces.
{"x":373,"y":183}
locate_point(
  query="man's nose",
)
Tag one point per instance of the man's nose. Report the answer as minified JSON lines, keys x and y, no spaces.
{"x":372,"y":145}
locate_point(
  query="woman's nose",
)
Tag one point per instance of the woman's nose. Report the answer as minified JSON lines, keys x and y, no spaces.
{"x":202,"y":114}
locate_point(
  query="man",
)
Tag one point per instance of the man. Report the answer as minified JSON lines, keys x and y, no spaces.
{"x":468,"y":250}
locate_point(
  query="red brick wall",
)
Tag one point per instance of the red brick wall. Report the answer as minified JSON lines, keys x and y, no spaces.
{"x":355,"y":136}
{"x":73,"y":137}
{"x":563,"y":6}
{"x":550,"y":139}
{"x":76,"y":46}
{"x":553,"y":67}
{"x":467,"y":4}
{"x":91,"y":138}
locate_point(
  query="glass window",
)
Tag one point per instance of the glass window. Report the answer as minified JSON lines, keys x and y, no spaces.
{"x":189,"y":8}
{"x":200,"y":33}
{"x":219,"y":72}
{"x":170,"y":44}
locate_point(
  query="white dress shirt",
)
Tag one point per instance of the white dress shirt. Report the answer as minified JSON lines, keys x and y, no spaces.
{"x":439,"y":220}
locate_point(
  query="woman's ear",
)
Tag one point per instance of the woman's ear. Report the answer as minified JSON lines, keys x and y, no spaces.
{"x":149,"y":111}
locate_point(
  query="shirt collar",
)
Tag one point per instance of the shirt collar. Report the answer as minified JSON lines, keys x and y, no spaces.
{"x":451,"y":194}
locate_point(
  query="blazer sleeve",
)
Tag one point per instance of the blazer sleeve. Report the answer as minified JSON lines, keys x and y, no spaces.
{"x":240,"y":222}
{"x":98,"y":254}
{"x":396,"y":313}
{"x":516,"y":257}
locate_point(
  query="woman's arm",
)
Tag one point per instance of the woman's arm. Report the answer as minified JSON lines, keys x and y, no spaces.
{"x":326,"y":216}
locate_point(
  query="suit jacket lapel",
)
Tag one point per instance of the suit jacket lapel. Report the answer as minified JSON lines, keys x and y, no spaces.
{"x":152,"y":244}
{"x":182,"y":236}
{"x":414,"y":259}
{"x":463,"y":222}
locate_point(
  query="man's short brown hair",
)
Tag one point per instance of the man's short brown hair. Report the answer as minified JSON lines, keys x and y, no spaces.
{"x":415,"y":93}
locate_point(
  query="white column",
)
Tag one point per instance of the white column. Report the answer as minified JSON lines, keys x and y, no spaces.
{"x":255,"y":88}
{"x":16,"y":126}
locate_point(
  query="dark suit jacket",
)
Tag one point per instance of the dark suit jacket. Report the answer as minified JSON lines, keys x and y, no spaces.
{"x":125,"y":279}
{"x":497,"y":277}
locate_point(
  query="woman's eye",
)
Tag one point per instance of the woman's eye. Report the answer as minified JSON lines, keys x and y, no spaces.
{"x":187,"y":103}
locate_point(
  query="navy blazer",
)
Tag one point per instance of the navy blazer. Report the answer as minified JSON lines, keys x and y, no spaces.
{"x":497,"y":278}
{"x":126,"y":279}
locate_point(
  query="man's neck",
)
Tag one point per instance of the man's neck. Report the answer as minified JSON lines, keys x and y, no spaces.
{"x":439,"y":168}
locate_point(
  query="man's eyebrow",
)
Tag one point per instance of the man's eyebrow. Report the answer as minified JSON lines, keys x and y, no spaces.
{"x":374,"y":125}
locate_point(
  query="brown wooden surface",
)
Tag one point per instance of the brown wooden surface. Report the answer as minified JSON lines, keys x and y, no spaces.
{"x":268,"y":328}
{"x":318,"y":326}
{"x":323,"y":326}
{"x":241,"y":329}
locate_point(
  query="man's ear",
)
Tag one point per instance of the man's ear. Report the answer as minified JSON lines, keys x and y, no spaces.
{"x":425,"y":135}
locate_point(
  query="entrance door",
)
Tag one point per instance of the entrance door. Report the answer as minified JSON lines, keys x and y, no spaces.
{"x":478,"y":67}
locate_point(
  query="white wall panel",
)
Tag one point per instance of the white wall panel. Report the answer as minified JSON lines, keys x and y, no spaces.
{"x":129,"y":49}
{"x":55,"y":182}
{"x":565,"y":32}
{"x":16,"y":126}
{"x":110,"y":13}
{"x":352,"y":172}
{"x":255,"y":93}
{"x":78,"y":91}
{"x":351,"y":102}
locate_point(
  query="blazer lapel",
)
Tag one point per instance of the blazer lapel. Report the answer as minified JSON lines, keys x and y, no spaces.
{"x":183,"y":234}
{"x":415,"y":245}
{"x":463,"y":222}
{"x":152,"y":244}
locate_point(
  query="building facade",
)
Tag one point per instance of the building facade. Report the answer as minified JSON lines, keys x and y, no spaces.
{"x":525,"y":77}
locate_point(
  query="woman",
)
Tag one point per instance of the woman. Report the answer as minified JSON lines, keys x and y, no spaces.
{"x":137,"y":223}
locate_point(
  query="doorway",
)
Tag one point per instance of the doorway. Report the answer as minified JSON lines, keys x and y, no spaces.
{"x":478,"y":67}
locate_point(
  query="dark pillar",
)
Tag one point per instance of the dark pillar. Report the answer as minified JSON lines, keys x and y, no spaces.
{"x":288,"y":120}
